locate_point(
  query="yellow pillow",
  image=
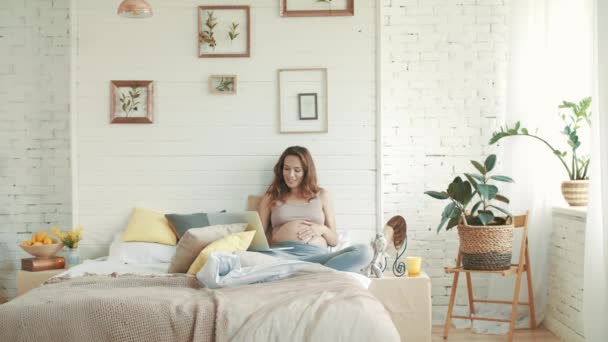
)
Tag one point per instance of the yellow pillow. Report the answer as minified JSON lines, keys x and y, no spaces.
{"x":149,"y":226}
{"x":231,"y":243}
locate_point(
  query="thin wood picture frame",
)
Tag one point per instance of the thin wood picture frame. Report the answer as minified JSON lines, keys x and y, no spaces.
{"x":293,"y":82}
{"x":303,"y":104}
{"x":223,"y":84}
{"x":315,"y":11}
{"x":131,"y":102}
{"x":216,"y":36}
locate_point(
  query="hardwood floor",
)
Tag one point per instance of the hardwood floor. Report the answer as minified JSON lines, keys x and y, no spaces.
{"x":540,"y":334}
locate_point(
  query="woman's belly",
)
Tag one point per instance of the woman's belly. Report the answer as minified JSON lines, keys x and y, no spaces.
{"x":289,"y":232}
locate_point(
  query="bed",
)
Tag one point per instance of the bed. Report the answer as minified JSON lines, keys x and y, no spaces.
{"x":110,"y":301}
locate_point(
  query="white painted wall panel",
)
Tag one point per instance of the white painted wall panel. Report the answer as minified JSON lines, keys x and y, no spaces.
{"x":207,"y":152}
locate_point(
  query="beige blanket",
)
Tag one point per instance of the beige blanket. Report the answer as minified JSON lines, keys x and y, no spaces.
{"x":324,"y":306}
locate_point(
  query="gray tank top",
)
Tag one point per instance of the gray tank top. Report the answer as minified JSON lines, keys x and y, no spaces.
{"x":283,"y":212}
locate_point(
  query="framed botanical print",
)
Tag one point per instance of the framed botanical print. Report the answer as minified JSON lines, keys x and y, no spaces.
{"x":317,"y":8}
{"x":223,"y":31}
{"x":303,"y":100}
{"x":131,"y":101}
{"x":222,"y":84}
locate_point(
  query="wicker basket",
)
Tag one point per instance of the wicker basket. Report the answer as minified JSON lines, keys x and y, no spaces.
{"x":486,"y":248}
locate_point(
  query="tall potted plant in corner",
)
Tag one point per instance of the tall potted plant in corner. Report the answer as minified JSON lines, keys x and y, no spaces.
{"x":485,"y":238}
{"x":575,"y":190}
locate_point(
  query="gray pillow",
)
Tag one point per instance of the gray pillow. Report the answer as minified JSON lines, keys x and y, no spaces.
{"x":195,"y":239}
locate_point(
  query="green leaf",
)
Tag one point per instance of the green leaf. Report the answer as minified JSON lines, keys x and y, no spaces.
{"x":471,"y":180}
{"x":479,"y":167}
{"x":502,"y":198}
{"x":451,"y":212}
{"x":444,"y":219}
{"x":502,"y":179}
{"x":478,"y":177}
{"x":447,"y":211}
{"x":486,"y":216}
{"x":487,"y":191}
{"x":475,"y":207}
{"x":504,"y":211}
{"x":438,"y":195}
{"x":524,"y":130}
{"x":491,"y":161}
{"x":454,"y":221}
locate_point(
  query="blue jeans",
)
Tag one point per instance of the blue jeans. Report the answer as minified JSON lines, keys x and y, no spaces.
{"x":351,"y":259}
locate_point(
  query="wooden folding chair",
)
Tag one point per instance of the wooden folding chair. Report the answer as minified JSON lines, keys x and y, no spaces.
{"x":523,"y":265}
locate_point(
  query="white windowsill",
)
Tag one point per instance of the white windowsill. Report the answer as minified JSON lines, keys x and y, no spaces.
{"x":580,"y":212}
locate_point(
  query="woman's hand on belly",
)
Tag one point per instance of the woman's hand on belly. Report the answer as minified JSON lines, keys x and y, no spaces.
{"x":310,"y":230}
{"x":300,"y":231}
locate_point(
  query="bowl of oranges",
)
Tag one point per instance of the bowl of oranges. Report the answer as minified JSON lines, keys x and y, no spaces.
{"x":42,"y":245}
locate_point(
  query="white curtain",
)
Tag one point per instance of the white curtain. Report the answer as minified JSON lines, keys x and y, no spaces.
{"x":550,"y":54}
{"x":596,"y":237}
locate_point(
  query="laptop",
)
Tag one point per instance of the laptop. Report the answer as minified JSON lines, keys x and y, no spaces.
{"x":259,"y":243}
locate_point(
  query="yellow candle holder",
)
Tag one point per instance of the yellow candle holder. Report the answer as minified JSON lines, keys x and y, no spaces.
{"x":413,"y":265}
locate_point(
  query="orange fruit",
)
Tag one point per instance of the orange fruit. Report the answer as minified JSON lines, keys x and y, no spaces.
{"x":37,"y":243}
{"x":47,"y":241}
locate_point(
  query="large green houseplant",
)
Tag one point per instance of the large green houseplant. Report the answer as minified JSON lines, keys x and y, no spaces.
{"x":575,"y":190}
{"x":485,"y":237}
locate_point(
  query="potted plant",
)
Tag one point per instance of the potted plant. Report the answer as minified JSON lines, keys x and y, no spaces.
{"x":485,"y":238}
{"x":575,"y":190}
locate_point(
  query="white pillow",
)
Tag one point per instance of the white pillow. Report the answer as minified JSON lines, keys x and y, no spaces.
{"x":139,"y":252}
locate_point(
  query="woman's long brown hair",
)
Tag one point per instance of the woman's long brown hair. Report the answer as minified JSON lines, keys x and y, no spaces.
{"x":309,"y":188}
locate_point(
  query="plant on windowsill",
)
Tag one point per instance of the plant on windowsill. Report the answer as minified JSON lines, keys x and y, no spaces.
{"x":575,"y":190}
{"x":485,"y":238}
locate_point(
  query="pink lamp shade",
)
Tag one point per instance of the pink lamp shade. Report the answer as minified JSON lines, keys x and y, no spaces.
{"x":135,"y":9}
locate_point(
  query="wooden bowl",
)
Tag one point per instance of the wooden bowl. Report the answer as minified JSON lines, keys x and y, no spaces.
{"x":43,"y":251}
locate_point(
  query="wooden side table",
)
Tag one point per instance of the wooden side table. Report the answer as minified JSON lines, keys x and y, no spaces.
{"x":27,"y":280}
{"x":408,"y":301}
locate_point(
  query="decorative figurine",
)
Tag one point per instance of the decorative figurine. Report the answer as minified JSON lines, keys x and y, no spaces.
{"x":378,"y":263}
{"x":395,"y":234}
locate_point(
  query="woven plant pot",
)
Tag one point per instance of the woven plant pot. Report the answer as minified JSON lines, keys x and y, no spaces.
{"x":486,"y":248}
{"x":576,"y":192}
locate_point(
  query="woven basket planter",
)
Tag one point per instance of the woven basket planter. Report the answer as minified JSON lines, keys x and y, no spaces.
{"x":486,"y":248}
{"x":576,"y":192}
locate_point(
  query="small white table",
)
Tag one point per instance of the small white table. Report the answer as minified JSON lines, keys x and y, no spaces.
{"x":408,"y":301}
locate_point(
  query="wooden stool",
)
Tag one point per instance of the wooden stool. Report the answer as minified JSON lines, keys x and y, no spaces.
{"x":522,"y":266}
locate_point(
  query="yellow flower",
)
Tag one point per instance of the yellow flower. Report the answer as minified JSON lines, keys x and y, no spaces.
{"x":70,"y":238}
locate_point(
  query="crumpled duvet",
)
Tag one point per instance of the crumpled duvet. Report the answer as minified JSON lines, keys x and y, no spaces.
{"x":225,"y":270}
{"x":313,"y":303}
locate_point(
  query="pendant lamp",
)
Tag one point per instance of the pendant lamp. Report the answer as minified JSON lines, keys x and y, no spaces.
{"x":135,"y":9}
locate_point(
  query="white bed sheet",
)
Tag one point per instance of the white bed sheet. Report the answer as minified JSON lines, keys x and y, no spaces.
{"x":103,"y":266}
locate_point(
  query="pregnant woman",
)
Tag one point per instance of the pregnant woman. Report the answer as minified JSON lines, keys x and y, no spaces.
{"x":298,"y":216}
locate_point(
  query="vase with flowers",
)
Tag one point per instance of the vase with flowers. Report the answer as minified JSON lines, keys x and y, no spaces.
{"x":70,"y":239}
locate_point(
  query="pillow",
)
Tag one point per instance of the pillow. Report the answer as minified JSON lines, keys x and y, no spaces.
{"x":139,"y":252}
{"x":195,"y":239}
{"x":149,"y":226}
{"x":231,"y":243}
{"x":182,"y":222}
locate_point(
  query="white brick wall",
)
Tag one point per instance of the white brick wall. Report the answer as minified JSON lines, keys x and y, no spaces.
{"x":565,"y":294}
{"x":443,"y":84}
{"x":34,"y":125}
